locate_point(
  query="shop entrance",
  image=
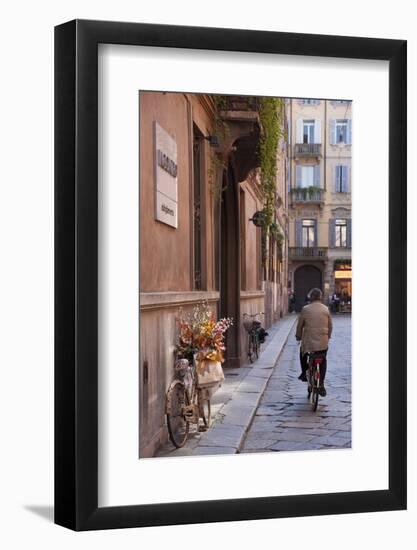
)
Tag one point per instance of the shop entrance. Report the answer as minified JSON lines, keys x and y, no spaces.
{"x":343,"y":284}
{"x":306,"y":277}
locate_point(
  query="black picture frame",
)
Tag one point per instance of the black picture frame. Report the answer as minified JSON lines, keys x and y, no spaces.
{"x":76,"y":272}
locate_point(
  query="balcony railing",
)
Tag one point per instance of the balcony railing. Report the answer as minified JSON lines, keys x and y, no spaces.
{"x":307,"y":253}
{"x":239,"y":103}
{"x":307,"y":150}
{"x":307,"y":195}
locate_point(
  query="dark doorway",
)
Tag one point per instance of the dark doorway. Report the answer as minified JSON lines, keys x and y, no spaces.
{"x":230,"y":265}
{"x":306,"y":277}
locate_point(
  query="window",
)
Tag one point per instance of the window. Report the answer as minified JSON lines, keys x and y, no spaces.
{"x":308,"y":131}
{"x":341,"y":183}
{"x":308,"y":233}
{"x":309,"y":101}
{"x":341,"y":231}
{"x":342,"y":101}
{"x":307,"y":176}
{"x":341,"y":131}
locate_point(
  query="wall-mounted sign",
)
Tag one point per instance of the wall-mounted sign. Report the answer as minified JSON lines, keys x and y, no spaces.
{"x":166,"y":181}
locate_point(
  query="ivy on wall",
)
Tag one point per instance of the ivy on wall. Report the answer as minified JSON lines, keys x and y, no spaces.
{"x":271,"y":118}
{"x":271,"y":114}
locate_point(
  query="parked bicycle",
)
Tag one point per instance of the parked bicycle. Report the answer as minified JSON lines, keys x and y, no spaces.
{"x":315,"y":361}
{"x":256,"y":334}
{"x":186,"y":403}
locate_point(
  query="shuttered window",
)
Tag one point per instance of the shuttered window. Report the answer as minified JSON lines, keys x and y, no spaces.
{"x":309,"y":233}
{"x":340,"y":233}
{"x":341,"y":179}
{"x":308,"y":130}
{"x":332,"y":233}
{"x":307,"y":176}
{"x":340,"y":131}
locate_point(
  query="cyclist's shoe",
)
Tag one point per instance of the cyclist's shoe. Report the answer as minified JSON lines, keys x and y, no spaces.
{"x":322,"y":391}
{"x":303,"y":377}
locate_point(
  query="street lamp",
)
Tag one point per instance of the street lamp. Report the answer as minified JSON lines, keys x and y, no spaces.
{"x":258,"y":218}
{"x":213,"y":140}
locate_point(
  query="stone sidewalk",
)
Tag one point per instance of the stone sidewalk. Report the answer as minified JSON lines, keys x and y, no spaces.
{"x":285,"y":421}
{"x":234,"y":405}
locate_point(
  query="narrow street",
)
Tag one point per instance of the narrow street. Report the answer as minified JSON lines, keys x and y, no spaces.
{"x":263,"y":407}
{"x":284,"y":420}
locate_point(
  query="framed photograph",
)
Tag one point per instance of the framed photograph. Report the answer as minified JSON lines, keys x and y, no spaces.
{"x":230,"y":255}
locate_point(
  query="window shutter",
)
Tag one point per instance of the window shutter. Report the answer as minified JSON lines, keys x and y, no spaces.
{"x":344,"y":179}
{"x":332,"y":132}
{"x":317,"y":175}
{"x":298,"y":176}
{"x":298,"y":233}
{"x":336,"y":178}
{"x":317,"y":131}
{"x":299,"y":130}
{"x":349,"y":233}
{"x":349,"y":132}
{"x":315,"y":233}
{"x":332,"y":233}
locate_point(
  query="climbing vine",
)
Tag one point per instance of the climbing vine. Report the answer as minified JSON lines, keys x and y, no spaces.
{"x":271,"y":118}
{"x":221,"y":130}
{"x":271,"y":114}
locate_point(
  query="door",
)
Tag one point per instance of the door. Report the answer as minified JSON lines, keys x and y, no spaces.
{"x":306,"y":277}
{"x":230,"y":266}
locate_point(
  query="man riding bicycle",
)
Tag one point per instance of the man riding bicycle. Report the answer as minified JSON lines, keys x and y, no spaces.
{"x":314,"y":329}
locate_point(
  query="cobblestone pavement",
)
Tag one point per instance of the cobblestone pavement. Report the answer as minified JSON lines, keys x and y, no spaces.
{"x":284,"y":420}
{"x":234,"y":405}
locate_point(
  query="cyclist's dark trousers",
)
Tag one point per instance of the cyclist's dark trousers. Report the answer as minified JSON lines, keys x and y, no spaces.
{"x":323,"y":366}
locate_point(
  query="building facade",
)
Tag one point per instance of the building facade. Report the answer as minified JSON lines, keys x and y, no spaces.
{"x":319,"y":198}
{"x":199,"y":190}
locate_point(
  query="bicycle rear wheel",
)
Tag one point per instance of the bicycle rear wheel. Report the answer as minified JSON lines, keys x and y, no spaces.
{"x":250,"y":348}
{"x":315,"y":399}
{"x":176,"y":401}
{"x":256,"y":346}
{"x":205,"y":409}
{"x":316,"y":387}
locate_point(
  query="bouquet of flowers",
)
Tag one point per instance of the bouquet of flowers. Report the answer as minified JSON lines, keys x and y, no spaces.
{"x":200,"y":331}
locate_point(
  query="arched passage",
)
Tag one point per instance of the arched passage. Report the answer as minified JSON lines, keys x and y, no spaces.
{"x":306,"y":277}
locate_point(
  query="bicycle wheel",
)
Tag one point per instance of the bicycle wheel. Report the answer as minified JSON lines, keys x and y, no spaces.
{"x":178,"y":427}
{"x":256,"y":346}
{"x":315,"y":399}
{"x":316,"y":391}
{"x":250,"y":348}
{"x":205,"y":409}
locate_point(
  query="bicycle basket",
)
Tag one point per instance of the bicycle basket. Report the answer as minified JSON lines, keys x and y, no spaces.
{"x":209,"y":371}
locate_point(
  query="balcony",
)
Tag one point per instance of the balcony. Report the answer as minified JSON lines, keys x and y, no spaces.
{"x":307,"y":253}
{"x":307,"y":195}
{"x":239,"y":108}
{"x":240,"y":103}
{"x":307,"y":150}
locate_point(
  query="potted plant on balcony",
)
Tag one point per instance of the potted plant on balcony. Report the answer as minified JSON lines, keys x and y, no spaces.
{"x":312,"y":190}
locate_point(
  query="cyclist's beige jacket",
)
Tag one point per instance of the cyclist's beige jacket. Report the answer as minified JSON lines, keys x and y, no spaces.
{"x":314,"y":327}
